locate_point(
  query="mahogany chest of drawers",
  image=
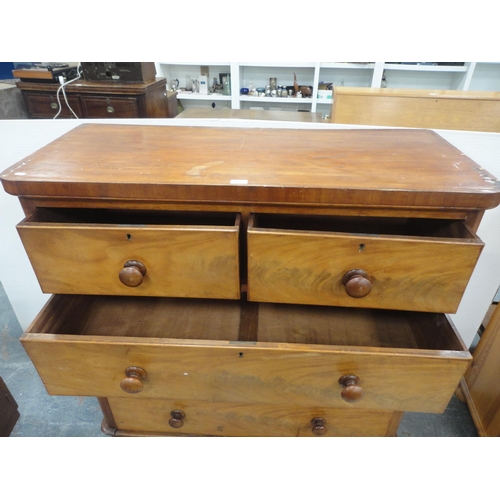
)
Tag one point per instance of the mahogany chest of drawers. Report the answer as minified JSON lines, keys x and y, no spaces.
{"x":95,"y":99}
{"x":251,"y":282}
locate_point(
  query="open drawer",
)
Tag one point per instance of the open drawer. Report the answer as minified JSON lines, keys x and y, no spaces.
{"x":124,"y":252}
{"x":388,"y":263}
{"x":222,"y":350}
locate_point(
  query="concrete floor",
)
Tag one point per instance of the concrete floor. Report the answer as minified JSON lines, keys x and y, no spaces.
{"x":44,"y":415}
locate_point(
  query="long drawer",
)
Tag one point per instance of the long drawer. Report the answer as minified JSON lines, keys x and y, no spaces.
{"x":403,"y":264}
{"x":246,"y":419}
{"x":116,"y":107}
{"x":107,"y":252}
{"x":227,"y":350}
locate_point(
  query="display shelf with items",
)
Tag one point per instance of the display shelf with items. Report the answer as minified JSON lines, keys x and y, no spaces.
{"x":192,"y":89}
{"x":250,"y":80}
{"x":270,"y":84}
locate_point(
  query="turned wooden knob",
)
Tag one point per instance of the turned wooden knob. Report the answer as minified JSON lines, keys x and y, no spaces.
{"x":132,"y":273}
{"x":177,"y":418}
{"x":351,"y":391}
{"x":318,"y":424}
{"x":132,"y":384}
{"x":356,"y":283}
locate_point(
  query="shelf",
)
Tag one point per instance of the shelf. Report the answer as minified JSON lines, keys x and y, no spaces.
{"x":196,"y":63}
{"x":279,"y":64}
{"x":282,"y":100}
{"x":426,"y":68}
{"x":333,"y":65}
{"x":470,"y":76}
{"x":203,"y":97}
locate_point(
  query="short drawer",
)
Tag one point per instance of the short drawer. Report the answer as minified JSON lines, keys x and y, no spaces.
{"x":134,"y":253}
{"x":246,"y":419}
{"x":228,"y":350}
{"x":112,"y":107}
{"x":43,"y":105}
{"x":403,"y":264}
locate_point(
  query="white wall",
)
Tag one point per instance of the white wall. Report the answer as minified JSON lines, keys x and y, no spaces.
{"x":19,"y":138}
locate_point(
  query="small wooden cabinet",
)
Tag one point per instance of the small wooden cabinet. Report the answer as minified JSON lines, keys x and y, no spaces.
{"x":94,"y":99}
{"x":251,"y":282}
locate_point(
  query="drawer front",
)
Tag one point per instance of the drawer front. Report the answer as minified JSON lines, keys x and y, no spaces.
{"x":181,"y":261}
{"x":399,"y":379}
{"x":113,"y":107}
{"x":243,"y":419}
{"x":46,"y":105}
{"x":416,"y":273}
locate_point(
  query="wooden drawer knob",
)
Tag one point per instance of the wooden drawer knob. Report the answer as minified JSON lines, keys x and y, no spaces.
{"x":351,"y":391}
{"x":177,"y":419}
{"x":318,"y":424}
{"x":132,"y":273}
{"x":356,"y":283}
{"x":132,"y":384}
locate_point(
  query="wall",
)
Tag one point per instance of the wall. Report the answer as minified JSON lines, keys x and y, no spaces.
{"x":21,"y":138}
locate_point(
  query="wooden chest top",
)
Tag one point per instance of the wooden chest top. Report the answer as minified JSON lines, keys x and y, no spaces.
{"x":378,"y":168}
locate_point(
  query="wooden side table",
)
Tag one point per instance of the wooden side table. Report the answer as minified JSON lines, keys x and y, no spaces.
{"x":94,"y":99}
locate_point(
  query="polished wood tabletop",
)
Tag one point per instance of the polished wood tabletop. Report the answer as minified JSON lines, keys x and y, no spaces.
{"x":377,"y":168}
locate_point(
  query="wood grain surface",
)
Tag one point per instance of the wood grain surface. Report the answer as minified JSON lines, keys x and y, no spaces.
{"x":194,"y":259}
{"x":298,"y":356}
{"x":374,"y":168}
{"x":243,"y":419}
{"x":433,"y":109}
{"x":303,"y":266}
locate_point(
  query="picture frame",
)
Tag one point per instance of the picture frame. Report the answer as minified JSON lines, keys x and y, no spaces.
{"x":223,"y":77}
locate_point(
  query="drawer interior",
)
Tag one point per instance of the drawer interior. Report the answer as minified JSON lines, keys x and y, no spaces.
{"x":130,"y":217}
{"x":431,"y":228}
{"x":239,"y":320}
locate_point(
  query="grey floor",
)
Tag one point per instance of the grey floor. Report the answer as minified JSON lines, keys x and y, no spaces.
{"x":44,"y":415}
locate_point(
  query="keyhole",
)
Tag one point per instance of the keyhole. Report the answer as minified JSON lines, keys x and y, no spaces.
{"x":361,"y":247}
{"x":240,"y":354}
{"x":129,"y":237}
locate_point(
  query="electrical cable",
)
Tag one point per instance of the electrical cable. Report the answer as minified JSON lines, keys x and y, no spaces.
{"x":61,"y":88}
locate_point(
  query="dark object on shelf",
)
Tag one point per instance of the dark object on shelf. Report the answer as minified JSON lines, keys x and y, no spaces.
{"x":120,"y":72}
{"x":8,"y":410}
{"x":45,"y":73}
{"x":450,"y":63}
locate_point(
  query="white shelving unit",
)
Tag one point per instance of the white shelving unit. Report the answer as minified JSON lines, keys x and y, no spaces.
{"x":470,"y":76}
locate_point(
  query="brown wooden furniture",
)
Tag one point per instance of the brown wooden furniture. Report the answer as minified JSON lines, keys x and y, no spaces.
{"x":252,"y":114}
{"x":9,"y":413}
{"x":435,"y":109}
{"x":94,"y":99}
{"x":481,"y":386}
{"x":251,"y":282}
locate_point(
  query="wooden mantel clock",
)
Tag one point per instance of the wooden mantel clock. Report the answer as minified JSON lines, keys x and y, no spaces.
{"x":251,"y":282}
